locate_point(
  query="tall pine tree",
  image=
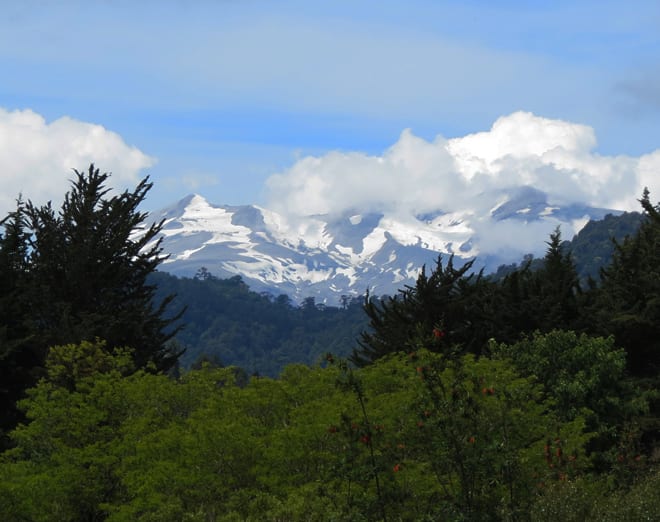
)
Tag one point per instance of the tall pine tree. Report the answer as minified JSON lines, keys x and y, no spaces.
{"x":77,"y":275}
{"x":544,"y":299}
{"x":20,"y":355}
{"x":628,"y":304}
{"x":91,"y":261}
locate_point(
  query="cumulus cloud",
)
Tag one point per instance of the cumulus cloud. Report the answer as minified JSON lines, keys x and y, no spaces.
{"x":37,"y":157}
{"x":412,"y":174}
{"x":471,"y":174}
{"x":415,"y":175}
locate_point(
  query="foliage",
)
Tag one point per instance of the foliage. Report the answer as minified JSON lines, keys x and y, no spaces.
{"x":466,"y":309}
{"x":77,"y":275}
{"x":592,"y":499}
{"x":62,"y":465}
{"x":474,"y":398}
{"x":577,"y":371}
{"x":584,"y":376}
{"x":593,"y":246}
{"x":628,"y":305}
{"x":19,"y":356}
{"x":544,"y":298}
{"x":448,"y":300}
{"x":227,"y":322}
{"x":462,"y":439}
{"x":90,"y":262}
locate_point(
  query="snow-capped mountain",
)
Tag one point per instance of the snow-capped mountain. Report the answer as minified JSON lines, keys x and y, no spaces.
{"x":329,"y":256}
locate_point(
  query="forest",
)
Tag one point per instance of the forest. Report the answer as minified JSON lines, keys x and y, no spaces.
{"x":527,"y":395}
{"x":226,"y":323}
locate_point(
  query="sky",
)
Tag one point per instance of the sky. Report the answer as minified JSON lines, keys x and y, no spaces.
{"x":319,"y":107}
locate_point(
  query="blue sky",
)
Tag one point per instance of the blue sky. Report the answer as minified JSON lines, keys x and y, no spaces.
{"x":227,"y":98}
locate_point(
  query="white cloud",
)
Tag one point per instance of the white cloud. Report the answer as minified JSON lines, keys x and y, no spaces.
{"x":551,"y":155}
{"x":37,"y":157}
{"x":412,"y":174}
{"x":469,"y":173}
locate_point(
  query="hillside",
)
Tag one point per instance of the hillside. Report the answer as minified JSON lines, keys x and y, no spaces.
{"x":326,"y":256}
{"x":228,"y":322}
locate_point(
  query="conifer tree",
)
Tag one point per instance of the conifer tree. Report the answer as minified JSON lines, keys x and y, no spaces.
{"x":447,"y":305}
{"x":544,"y":299}
{"x":91,"y":261}
{"x":628,"y":304}
{"x":19,"y":354}
{"x":560,"y":287}
{"x":79,"y":275}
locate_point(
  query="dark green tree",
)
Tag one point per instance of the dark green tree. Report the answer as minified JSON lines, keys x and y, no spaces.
{"x":592,"y":248}
{"x":546,"y":298}
{"x":19,"y":354}
{"x":78,"y":275}
{"x":628,"y":304}
{"x":559,"y":286}
{"x":448,"y":307}
{"x":90,"y":262}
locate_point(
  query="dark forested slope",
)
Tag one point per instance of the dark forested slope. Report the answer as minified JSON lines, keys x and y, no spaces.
{"x":227,"y":322}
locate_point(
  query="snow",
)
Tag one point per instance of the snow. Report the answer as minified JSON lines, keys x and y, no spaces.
{"x":293,"y":254}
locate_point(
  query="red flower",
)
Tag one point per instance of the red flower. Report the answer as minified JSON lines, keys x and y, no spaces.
{"x":365,"y":439}
{"x":438,"y":334}
{"x":396,"y":468}
{"x":472,"y":440}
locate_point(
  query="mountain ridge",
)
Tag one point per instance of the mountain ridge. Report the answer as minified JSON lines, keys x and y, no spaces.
{"x":327,"y":256}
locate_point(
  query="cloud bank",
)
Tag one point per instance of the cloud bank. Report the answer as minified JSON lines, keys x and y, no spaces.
{"x":415,"y":175}
{"x":37,"y":157}
{"x":469,"y":175}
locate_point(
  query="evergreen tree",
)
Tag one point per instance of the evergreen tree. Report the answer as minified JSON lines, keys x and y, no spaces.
{"x":19,"y":354}
{"x":448,"y":307}
{"x":559,"y":285}
{"x":91,"y":262}
{"x":78,"y":275}
{"x":543,"y":299}
{"x":628,"y":304}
